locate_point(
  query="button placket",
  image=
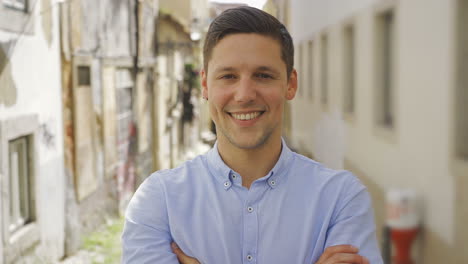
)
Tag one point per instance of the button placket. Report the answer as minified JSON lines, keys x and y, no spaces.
{"x":250,"y":242}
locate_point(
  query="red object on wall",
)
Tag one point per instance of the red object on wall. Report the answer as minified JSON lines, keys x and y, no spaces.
{"x":403,"y":240}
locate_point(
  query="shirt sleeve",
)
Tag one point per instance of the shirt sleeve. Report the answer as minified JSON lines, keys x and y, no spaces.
{"x":146,"y":236}
{"x":353,"y":222}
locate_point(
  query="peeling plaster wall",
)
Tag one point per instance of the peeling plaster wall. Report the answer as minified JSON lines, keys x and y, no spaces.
{"x":100,"y":34}
{"x":8,"y":93}
{"x":46,"y":20}
{"x":30,"y":84}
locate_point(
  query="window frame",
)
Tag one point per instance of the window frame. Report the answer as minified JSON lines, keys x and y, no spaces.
{"x":301,"y":73}
{"x":310,"y":69}
{"x":21,"y":187}
{"x":324,"y":68}
{"x":386,"y":131}
{"x":349,"y":69}
{"x":16,"y":4}
{"x":459,"y":157}
{"x":26,"y":236}
{"x":17,"y":20}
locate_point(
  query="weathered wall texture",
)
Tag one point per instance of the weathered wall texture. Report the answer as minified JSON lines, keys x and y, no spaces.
{"x":417,"y":153}
{"x":8,"y":92}
{"x":106,"y":117}
{"x":46,"y":20}
{"x":30,"y":85}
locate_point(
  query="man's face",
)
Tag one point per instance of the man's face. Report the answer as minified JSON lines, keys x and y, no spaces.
{"x":246,"y":85}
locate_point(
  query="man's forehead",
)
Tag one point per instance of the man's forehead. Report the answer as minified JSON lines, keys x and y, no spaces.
{"x":252,"y":50}
{"x":252,"y":35}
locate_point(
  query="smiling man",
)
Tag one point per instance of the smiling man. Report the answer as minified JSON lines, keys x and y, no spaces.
{"x":250,"y":199}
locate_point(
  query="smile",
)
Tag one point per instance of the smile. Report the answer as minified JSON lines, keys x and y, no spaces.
{"x":246,"y":116}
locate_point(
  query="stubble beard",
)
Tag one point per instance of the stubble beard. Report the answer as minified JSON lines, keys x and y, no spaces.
{"x":248,"y":146}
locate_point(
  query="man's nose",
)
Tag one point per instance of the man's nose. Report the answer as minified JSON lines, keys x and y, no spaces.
{"x":245,"y":91}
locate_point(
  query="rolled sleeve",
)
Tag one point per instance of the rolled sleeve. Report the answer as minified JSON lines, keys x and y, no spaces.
{"x":146,"y":237}
{"x":353,"y":222}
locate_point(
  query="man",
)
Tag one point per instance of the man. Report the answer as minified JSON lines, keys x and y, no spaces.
{"x":250,"y":199}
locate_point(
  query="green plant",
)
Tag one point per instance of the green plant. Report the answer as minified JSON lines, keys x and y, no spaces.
{"x":106,"y":243}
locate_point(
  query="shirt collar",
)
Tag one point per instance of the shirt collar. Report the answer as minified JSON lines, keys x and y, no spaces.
{"x":222,"y":172}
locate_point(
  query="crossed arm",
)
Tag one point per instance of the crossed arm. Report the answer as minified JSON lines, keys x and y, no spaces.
{"x":147,"y":239}
{"x":341,"y":254}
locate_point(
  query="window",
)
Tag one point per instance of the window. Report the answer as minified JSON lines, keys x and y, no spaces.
{"x":20,"y":184}
{"x":311,"y":70}
{"x":461,"y":92}
{"x":18,"y":162}
{"x":84,"y":76}
{"x":16,"y":16}
{"x":16,"y":4}
{"x":385,"y":50}
{"x":348,"y":63}
{"x":301,"y":74}
{"x":324,"y":70}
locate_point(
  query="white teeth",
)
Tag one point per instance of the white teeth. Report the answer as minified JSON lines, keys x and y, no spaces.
{"x":248,"y":116}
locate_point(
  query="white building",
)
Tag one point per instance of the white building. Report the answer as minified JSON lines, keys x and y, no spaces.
{"x":31,"y":136}
{"x":383,"y":93}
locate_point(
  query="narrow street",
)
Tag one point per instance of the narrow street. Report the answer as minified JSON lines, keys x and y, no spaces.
{"x":97,"y":95}
{"x":100,"y":247}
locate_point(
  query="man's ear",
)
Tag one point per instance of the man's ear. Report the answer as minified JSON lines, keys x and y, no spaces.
{"x":204,"y":84}
{"x":292,"y":85}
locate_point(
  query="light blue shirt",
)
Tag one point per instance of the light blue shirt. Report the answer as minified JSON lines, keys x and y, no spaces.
{"x":288,"y":216}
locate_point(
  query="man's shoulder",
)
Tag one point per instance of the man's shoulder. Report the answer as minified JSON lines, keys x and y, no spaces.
{"x":323,"y":173}
{"x":183,"y":171}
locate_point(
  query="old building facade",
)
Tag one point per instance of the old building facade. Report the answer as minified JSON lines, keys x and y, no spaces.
{"x":383,"y":93}
{"x":32,"y":181}
{"x":94,"y":97}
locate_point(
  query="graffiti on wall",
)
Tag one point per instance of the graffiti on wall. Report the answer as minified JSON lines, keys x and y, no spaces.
{"x":46,"y":135}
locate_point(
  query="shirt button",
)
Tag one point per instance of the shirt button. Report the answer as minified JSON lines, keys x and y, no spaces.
{"x":226,"y":184}
{"x":249,"y":257}
{"x":250,"y":209}
{"x":272,"y":182}
{"x":234,"y":176}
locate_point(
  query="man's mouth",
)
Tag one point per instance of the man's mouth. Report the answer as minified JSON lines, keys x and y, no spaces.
{"x":246,"y":116}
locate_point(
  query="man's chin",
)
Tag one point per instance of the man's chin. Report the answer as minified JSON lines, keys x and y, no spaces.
{"x":248,"y":144}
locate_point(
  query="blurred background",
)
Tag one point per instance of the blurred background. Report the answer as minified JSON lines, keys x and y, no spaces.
{"x":96,"y":95}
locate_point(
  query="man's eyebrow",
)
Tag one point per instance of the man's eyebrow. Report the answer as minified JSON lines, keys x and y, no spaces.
{"x":269,"y":69}
{"x":259,"y":68}
{"x":224,"y":69}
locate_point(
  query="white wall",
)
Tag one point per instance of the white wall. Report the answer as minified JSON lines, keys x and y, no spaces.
{"x":417,"y":153}
{"x":35,"y":69}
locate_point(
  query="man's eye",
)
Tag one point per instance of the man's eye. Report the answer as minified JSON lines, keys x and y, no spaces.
{"x":228,"y":76}
{"x":264,"y":76}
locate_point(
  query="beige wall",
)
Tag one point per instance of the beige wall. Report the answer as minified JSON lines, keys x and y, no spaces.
{"x":416,"y":153}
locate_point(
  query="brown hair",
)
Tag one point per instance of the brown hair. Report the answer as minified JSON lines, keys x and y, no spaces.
{"x":249,"y":20}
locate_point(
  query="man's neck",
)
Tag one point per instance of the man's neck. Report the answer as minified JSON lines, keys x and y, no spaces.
{"x":251,"y":164}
